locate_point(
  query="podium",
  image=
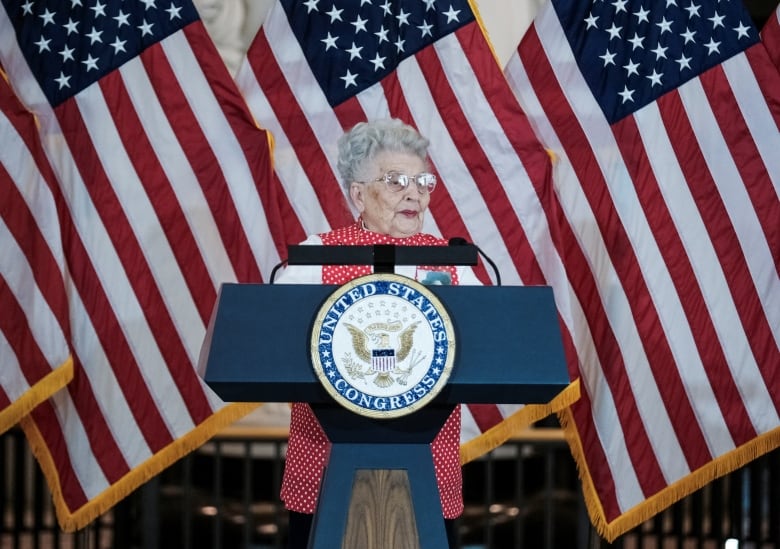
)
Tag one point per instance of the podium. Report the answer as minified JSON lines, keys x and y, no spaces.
{"x":509,"y":351}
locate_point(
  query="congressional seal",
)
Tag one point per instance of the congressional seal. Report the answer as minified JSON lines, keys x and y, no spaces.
{"x":383,"y":345}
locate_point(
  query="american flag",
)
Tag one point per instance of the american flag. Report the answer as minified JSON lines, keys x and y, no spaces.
{"x":161,"y":192}
{"x":318,"y":67}
{"x":663,"y":116}
{"x":34,"y":323}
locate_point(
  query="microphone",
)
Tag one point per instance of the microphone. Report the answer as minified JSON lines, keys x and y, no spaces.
{"x":460,"y":241}
{"x":273,"y":272}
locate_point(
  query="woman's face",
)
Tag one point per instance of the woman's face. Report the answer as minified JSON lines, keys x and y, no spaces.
{"x":398,"y":214}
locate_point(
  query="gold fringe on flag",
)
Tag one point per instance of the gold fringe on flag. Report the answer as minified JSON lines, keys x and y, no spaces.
{"x":70,"y":521}
{"x":523,"y":418}
{"x":654,"y":504}
{"x":52,"y":382}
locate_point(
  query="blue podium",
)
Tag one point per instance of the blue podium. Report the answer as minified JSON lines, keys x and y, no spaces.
{"x":508,"y":351}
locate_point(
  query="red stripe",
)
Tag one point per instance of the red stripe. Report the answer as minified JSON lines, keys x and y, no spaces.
{"x":108,"y":327}
{"x":508,"y":112}
{"x":161,"y":196}
{"x":681,"y":272}
{"x":20,"y":220}
{"x":5,"y":402}
{"x":488,"y":182}
{"x":640,"y":450}
{"x":292,"y":230}
{"x":253,"y":141}
{"x":770,"y":37}
{"x":350,"y":112}
{"x":47,"y":423}
{"x":296,"y":126}
{"x":24,"y":228}
{"x":620,"y":249}
{"x":755,"y":176}
{"x":724,"y":240}
{"x":486,"y":416}
{"x":205,"y":165}
{"x":15,"y":327}
{"x":595,"y":458}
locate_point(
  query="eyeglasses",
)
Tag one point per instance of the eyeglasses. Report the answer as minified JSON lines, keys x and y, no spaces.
{"x":397,"y":181}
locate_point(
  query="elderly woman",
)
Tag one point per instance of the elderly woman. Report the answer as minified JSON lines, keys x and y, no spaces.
{"x":384,"y":167}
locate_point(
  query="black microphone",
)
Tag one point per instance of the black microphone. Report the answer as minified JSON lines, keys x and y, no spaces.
{"x":273,"y":272}
{"x":460,"y":241}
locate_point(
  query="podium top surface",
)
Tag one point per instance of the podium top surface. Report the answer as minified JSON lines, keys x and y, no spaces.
{"x":508,"y":344}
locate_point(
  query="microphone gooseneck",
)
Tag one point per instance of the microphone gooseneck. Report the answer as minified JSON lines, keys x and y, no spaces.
{"x":460,"y":241}
{"x":275,"y":269}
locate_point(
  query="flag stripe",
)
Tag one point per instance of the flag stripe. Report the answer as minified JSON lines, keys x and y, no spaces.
{"x":464,"y":138}
{"x":608,"y":346}
{"x":288,"y":114}
{"x":26,"y":233}
{"x":199,"y":156}
{"x":704,"y":337}
{"x":161,"y":196}
{"x":35,"y":325}
{"x":722,"y":235}
{"x":139,"y":275}
{"x":770,"y":37}
{"x":57,"y":445}
{"x":14,"y":323}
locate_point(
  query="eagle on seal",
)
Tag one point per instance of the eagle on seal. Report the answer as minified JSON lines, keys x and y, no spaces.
{"x":379,"y":334}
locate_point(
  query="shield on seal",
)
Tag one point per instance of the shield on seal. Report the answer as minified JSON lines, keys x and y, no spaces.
{"x":383,"y":360}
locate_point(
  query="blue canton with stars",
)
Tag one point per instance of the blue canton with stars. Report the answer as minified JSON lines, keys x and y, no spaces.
{"x":633,"y":51}
{"x":350,"y":45}
{"x":70,"y":44}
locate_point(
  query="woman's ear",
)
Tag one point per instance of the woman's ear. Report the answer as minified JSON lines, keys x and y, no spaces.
{"x":356,"y":194}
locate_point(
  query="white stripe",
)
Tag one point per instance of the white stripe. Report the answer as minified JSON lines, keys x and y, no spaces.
{"x":755,"y":111}
{"x":104,"y":385}
{"x":145,"y":224}
{"x":287,"y":165}
{"x":12,"y":379}
{"x":678,"y":331}
{"x":468,"y":427}
{"x":226,"y":148}
{"x":30,"y":184}
{"x":41,"y":320}
{"x":169,"y":153}
{"x":449,"y":162}
{"x":312,"y":103}
{"x":575,"y":205}
{"x":15,"y":65}
{"x":86,"y":468}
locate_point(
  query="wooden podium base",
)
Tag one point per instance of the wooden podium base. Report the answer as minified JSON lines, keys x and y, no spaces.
{"x":381,"y":513}
{"x":379,"y":490}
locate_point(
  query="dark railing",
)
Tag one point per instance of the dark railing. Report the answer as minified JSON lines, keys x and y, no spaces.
{"x":523,"y":495}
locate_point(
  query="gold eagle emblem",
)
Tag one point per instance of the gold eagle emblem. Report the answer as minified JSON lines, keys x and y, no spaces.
{"x":378,"y":336}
